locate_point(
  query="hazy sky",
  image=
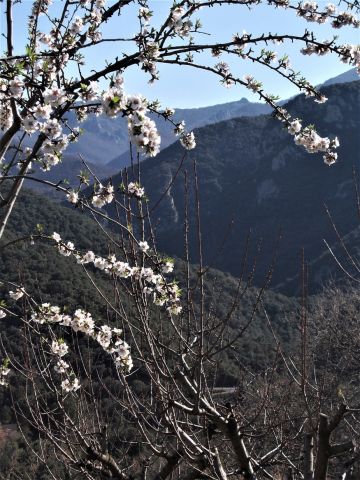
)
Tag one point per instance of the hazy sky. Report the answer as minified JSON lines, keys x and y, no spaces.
{"x":187,"y":87}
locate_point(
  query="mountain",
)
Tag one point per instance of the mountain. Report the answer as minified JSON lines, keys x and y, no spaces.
{"x":105,"y":142}
{"x":349,"y":76}
{"x":339,"y":263}
{"x":252,"y":177}
{"x":106,"y":139}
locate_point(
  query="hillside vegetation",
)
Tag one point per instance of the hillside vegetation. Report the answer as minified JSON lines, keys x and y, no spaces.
{"x":51,"y":277}
{"x":253,"y":178}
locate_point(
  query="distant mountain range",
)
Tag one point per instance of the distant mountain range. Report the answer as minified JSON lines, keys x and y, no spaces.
{"x":252,"y":177}
{"x":106,"y":140}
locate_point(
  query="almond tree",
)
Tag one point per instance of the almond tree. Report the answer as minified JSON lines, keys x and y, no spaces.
{"x":38,"y":87}
{"x":275,"y":421}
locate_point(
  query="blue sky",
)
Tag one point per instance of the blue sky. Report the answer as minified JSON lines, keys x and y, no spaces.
{"x":186,"y":87}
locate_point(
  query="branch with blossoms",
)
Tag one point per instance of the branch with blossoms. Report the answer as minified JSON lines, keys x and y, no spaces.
{"x":36,"y":93}
{"x":179,"y":420}
{"x":46,"y":344}
{"x":169,"y":418}
{"x":58,"y":349}
{"x":173,"y":344}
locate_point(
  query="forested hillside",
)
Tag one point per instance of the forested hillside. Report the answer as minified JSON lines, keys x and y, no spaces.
{"x":252,"y":178}
{"x":52,"y":277}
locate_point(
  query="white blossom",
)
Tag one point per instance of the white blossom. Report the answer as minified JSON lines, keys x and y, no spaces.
{"x":100,"y":263}
{"x":59,"y":347}
{"x":17,"y":294}
{"x":73,"y":197}
{"x":70,"y":384}
{"x":52,"y":128}
{"x":89,"y":257}
{"x":330,"y":158}
{"x":66,"y":249}
{"x":54,"y":96}
{"x":294,"y":127}
{"x":144,"y":246}
{"x":76,"y":26}
{"x":104,"y":336}
{"x":103,"y":195}
{"x":83,"y":322}
{"x":16,"y":87}
{"x":188,"y":141}
{"x":30,"y":124}
{"x":330,"y":8}
{"x":136,"y":190}
{"x":4,"y":372}
{"x":61,"y":366}
{"x":89,"y":92}
{"x":167,"y":266}
{"x":180,"y":128}
{"x":143,"y":133}
{"x":55,"y":236}
{"x":321,"y":99}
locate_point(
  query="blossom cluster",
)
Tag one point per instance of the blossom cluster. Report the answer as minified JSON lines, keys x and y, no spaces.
{"x":351,"y":54}
{"x":136,"y":190}
{"x":308,"y":137}
{"x":65,"y":37}
{"x":187,"y":140}
{"x":152,"y":283}
{"x":143,"y":133}
{"x":180,"y":25}
{"x":142,"y":130}
{"x":81,"y":321}
{"x":104,"y":194}
{"x":348,"y":53}
{"x":4,"y":372}
{"x":41,"y":118}
{"x":309,"y":10}
{"x":313,"y":142}
{"x":38,"y":120}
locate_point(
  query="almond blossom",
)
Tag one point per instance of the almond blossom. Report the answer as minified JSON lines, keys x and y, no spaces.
{"x":4,"y":372}
{"x":17,"y":294}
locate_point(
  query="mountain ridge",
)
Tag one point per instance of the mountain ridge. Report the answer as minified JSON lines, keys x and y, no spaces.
{"x":251,"y":174}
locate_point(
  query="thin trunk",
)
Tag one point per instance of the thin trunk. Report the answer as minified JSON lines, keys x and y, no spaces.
{"x":9,"y":207}
{"x":308,"y":456}
{"x":323,"y":449}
